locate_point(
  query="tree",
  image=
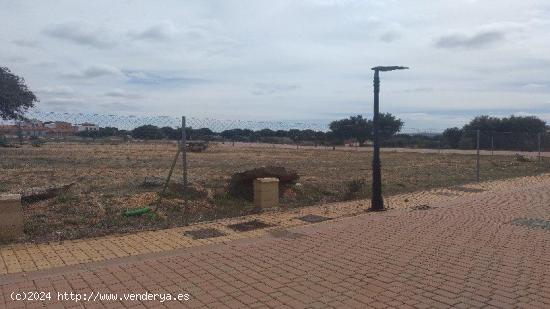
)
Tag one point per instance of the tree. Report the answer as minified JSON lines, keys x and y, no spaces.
{"x":361,"y":129}
{"x":170,"y":133}
{"x":147,"y":132}
{"x":512,"y":133}
{"x":15,"y":96}
{"x":202,"y":134}
{"x":452,"y":137}
{"x":528,"y":124}
{"x":101,"y":132}
{"x":355,"y":127}
{"x":389,"y":125}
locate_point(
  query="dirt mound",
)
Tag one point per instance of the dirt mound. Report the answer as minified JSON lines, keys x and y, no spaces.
{"x":42,"y":193}
{"x":240,"y":184}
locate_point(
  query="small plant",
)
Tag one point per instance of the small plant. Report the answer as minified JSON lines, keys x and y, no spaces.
{"x":37,"y":142}
{"x":356,"y":189}
{"x":522,"y":158}
{"x":66,"y":198}
{"x":228,"y":206}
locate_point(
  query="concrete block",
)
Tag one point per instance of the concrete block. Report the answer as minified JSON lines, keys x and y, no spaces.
{"x":11,"y":217}
{"x":266,"y":193}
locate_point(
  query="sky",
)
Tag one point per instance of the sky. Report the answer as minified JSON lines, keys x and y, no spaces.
{"x":284,"y":60}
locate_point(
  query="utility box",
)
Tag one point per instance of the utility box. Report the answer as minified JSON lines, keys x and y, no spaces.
{"x":266,"y":193}
{"x":11,"y":217}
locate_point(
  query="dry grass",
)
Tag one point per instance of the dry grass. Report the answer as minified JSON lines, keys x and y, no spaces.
{"x":110,"y":177}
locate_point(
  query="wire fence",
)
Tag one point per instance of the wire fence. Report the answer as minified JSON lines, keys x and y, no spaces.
{"x":121,"y":183}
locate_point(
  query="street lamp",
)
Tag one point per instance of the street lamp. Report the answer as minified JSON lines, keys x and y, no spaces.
{"x":377,"y":203}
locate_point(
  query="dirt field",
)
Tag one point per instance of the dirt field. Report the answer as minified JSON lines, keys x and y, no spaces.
{"x":109,"y":181}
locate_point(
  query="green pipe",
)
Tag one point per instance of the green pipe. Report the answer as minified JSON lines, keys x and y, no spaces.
{"x":137,"y":212}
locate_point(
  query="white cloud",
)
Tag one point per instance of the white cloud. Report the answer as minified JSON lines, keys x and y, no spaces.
{"x":56,"y":90}
{"x":26,"y":43}
{"x":475,"y":40}
{"x":121,"y":93}
{"x":161,"y":31}
{"x":273,"y":88}
{"x":283,"y":59}
{"x":80,"y":33}
{"x":94,"y":71}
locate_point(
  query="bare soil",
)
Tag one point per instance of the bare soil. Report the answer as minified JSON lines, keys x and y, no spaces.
{"x":109,"y":181}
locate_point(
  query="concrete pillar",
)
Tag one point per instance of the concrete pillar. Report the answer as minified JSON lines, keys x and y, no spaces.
{"x":266,"y":193}
{"x":11,"y":217}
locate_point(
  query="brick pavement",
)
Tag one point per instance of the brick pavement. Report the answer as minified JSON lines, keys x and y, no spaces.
{"x":27,"y":257}
{"x":465,"y":252}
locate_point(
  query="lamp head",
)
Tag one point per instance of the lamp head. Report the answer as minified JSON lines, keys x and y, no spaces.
{"x":389,"y":68}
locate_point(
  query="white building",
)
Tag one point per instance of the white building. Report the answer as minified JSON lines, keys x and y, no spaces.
{"x":87,"y":127}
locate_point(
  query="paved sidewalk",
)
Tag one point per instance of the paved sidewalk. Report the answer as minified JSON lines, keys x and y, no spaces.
{"x":28,"y":257}
{"x":477,"y":251}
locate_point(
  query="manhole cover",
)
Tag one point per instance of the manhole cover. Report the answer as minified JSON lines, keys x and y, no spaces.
{"x":248,"y":226}
{"x":468,"y":190}
{"x":314,"y":218}
{"x":204,"y":233}
{"x":532,"y":223}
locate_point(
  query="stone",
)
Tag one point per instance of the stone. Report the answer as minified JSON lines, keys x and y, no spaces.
{"x":42,"y":193}
{"x":196,"y":146}
{"x":153,"y":182}
{"x":266,"y":193}
{"x":11,"y":217}
{"x":240,"y":184}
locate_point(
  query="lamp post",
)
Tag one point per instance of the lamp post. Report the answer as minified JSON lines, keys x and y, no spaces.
{"x":377,"y":203}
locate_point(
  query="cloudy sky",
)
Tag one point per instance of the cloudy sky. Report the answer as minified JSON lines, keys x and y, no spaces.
{"x":284,"y":59}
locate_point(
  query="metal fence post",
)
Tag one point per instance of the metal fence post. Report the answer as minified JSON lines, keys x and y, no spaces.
{"x":20,"y":133}
{"x":492,"y":145}
{"x":477,"y":158}
{"x":540,"y":146}
{"x":184,"y":165}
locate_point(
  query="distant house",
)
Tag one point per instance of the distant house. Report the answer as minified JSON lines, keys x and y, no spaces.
{"x":59,"y":128}
{"x":85,"y":127}
{"x":36,"y":128}
{"x":8,"y":130}
{"x":31,"y":128}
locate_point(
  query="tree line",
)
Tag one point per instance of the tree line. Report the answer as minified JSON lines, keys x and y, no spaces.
{"x":353,"y":129}
{"x":514,"y":132}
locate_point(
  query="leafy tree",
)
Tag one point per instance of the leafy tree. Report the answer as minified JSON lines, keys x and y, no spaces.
{"x":170,"y":133}
{"x":147,"y":132}
{"x":102,"y":132}
{"x":512,"y":133}
{"x":452,"y":137}
{"x":266,"y":133}
{"x":202,"y":134}
{"x":361,"y":129}
{"x":15,"y":96}
{"x":530,"y":124}
{"x":355,"y":127}
{"x":238,"y":134}
{"x":389,"y":125}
